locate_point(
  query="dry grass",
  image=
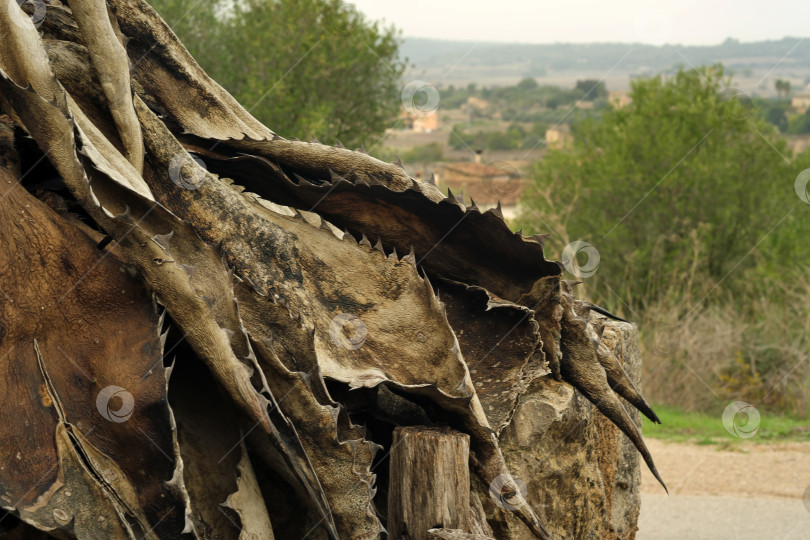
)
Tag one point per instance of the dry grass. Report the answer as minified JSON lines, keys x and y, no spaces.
{"x":750,"y":348}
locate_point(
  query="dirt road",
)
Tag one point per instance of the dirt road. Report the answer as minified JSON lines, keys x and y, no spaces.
{"x":755,"y":491}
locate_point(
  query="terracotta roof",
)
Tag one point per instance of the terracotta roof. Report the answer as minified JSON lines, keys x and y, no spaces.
{"x":476,"y":169}
{"x":488,"y":191}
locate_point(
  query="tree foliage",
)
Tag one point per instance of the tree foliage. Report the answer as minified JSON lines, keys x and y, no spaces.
{"x":521,"y":101}
{"x":774,"y":112}
{"x":592,"y":89}
{"x":782,"y":88}
{"x":515,"y":137}
{"x":309,"y":68}
{"x":424,"y":153}
{"x":690,"y":199}
{"x":799,"y":124}
{"x":684,"y":181}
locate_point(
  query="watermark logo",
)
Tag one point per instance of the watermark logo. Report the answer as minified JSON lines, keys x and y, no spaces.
{"x":348,"y":331}
{"x":21,"y":18}
{"x":505,"y":488}
{"x":737,"y":105}
{"x":504,"y":183}
{"x":61,"y":517}
{"x":802,"y":186}
{"x":741,"y":419}
{"x":665,"y":340}
{"x":115,"y":404}
{"x":571,"y":262}
{"x":420,"y":98}
{"x":343,"y":19}
{"x":183,"y":172}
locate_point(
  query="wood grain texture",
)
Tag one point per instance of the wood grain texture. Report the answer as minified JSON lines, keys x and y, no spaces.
{"x":430,"y":482}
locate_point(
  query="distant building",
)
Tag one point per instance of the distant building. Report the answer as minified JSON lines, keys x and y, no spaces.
{"x":421,"y":124}
{"x":800,"y":102}
{"x":619,"y":99}
{"x":559,"y":136}
{"x":485,"y":184}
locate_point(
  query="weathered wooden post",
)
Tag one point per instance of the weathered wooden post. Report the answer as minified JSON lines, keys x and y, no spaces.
{"x":430,"y":482}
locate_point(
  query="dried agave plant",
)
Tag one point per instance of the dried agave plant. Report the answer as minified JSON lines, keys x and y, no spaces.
{"x":196,"y":314}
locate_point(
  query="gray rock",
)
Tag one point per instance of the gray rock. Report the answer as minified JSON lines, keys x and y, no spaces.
{"x":579,"y":470}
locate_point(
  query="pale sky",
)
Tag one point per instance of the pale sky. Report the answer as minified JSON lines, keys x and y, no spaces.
{"x":686,"y":22}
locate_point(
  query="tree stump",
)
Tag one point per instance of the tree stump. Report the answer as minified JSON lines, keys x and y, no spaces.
{"x":430,"y":482}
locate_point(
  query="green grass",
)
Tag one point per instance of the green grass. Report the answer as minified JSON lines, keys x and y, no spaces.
{"x":702,"y":428}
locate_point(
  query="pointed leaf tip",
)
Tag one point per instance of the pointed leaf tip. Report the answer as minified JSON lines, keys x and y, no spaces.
{"x":410,"y":257}
{"x":163,"y":240}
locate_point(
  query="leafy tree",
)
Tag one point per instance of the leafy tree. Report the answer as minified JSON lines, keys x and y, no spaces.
{"x":309,"y":68}
{"x":425,"y":153}
{"x":682,"y":182}
{"x":775,"y":113}
{"x":452,"y":97}
{"x":782,"y":88}
{"x":513,"y":138}
{"x":799,"y":124}
{"x":527,"y":84}
{"x":592,"y":89}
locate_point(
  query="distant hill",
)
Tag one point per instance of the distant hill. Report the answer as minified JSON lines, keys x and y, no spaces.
{"x":788,"y":57}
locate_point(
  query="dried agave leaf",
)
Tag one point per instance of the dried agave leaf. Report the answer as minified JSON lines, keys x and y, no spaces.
{"x":23,"y":58}
{"x":215,"y":461}
{"x":81,"y":348}
{"x":248,"y":503}
{"x":448,"y":240}
{"x":581,"y":366}
{"x":58,"y":22}
{"x":166,"y":71}
{"x":342,"y":464}
{"x":322,"y":279}
{"x":617,"y":378}
{"x":109,"y":60}
{"x":70,"y":63}
{"x":174,"y":250}
{"x":501,"y":345}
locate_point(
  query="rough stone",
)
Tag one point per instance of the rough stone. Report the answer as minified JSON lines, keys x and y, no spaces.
{"x":579,"y":470}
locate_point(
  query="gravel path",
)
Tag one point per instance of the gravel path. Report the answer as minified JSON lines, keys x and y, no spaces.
{"x":720,"y":517}
{"x":755,"y":491}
